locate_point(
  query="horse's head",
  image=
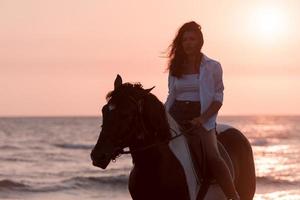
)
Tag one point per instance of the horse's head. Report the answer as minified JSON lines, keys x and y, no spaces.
{"x":131,"y":115}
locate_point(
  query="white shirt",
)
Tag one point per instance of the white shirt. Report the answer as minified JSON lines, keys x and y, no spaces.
{"x":210,"y":88}
{"x":187,"y":87}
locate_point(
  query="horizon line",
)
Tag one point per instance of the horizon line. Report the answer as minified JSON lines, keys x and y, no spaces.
{"x":94,"y":116}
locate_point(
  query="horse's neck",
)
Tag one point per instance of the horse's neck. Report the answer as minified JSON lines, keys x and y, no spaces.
{"x":152,"y":156}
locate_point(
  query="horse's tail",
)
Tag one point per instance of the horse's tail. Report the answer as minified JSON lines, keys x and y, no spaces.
{"x":241,"y":153}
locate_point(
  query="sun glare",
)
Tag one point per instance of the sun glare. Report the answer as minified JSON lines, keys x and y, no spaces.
{"x":268,"y":23}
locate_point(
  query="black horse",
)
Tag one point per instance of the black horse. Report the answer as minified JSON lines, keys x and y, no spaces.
{"x":135,"y":118}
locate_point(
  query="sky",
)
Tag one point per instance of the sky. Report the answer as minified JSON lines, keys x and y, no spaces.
{"x":61,"y":57}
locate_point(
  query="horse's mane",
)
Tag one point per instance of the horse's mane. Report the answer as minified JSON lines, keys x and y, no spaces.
{"x":154,"y":113}
{"x":124,"y":87}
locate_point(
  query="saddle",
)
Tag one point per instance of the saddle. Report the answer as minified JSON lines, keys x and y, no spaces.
{"x":180,"y":148}
{"x":196,"y":171}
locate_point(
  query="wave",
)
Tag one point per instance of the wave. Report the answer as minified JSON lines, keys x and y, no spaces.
{"x":79,"y":182}
{"x":17,"y":160}
{"x":122,"y":180}
{"x":74,"y":146}
{"x":119,"y":181}
{"x":9,"y":147}
{"x":267,"y":180}
{"x":9,"y":184}
{"x":260,"y":142}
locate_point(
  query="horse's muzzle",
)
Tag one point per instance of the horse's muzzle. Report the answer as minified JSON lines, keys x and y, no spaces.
{"x":100,"y":161}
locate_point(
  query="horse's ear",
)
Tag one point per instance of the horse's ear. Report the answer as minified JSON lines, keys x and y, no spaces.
{"x":148,"y":90}
{"x":118,"y":81}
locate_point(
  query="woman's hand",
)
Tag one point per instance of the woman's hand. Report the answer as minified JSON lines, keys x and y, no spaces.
{"x":212,"y":109}
{"x":198,"y":121}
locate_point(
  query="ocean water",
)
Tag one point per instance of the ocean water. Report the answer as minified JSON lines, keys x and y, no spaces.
{"x":49,"y":158}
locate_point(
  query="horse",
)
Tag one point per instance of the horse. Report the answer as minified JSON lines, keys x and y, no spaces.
{"x":135,"y":119}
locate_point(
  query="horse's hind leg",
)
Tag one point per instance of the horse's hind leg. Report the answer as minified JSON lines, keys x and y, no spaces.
{"x":240,"y":151}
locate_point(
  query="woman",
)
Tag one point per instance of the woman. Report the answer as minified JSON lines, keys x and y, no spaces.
{"x":195,"y":97}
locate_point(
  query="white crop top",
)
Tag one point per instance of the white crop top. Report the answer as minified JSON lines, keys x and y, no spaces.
{"x":187,"y":87}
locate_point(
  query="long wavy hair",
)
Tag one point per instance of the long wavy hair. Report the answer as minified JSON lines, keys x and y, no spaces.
{"x":176,"y":53}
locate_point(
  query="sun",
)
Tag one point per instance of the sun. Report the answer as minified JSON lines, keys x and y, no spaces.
{"x":268,"y":23}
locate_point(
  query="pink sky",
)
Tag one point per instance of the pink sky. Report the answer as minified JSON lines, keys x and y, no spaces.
{"x":60,"y":57}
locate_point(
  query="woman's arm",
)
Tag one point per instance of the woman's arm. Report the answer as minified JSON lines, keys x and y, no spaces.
{"x":217,"y":99}
{"x":170,"y":89}
{"x":218,"y":81}
{"x":212,"y":109}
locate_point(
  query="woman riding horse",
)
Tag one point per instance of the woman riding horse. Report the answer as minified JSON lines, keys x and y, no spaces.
{"x":195,"y":97}
{"x":135,"y":118}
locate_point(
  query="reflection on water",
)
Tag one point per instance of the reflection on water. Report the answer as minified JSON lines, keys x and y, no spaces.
{"x":281,"y":195}
{"x":276,"y":146}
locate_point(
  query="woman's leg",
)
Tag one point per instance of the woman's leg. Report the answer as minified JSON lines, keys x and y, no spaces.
{"x":217,"y":164}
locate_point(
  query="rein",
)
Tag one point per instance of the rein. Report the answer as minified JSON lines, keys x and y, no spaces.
{"x":156,"y":144}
